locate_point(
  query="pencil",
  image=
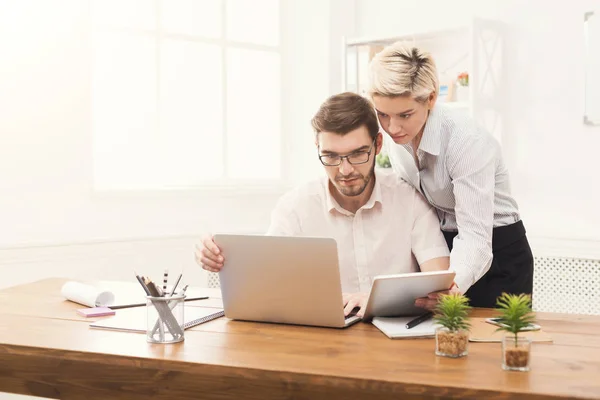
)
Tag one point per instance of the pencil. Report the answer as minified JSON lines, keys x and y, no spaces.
{"x":165,"y":280}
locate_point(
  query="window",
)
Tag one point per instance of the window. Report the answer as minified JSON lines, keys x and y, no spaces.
{"x":186,"y":93}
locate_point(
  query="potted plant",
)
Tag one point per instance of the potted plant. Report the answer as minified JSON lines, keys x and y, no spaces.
{"x":452,"y":337}
{"x":383,"y":160}
{"x":462,"y":89}
{"x":463,"y":79}
{"x":516,"y":315}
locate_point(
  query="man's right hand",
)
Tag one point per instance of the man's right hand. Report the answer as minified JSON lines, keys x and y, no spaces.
{"x":208,"y":255}
{"x":355,"y":300}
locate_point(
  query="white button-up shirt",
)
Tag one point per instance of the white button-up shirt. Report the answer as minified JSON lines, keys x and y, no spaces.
{"x":394,"y":232}
{"x":463,"y":176}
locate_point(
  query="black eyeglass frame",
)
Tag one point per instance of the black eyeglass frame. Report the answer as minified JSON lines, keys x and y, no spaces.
{"x":347,"y":157}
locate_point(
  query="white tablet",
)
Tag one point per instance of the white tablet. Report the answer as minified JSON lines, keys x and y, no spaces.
{"x":395,"y":295}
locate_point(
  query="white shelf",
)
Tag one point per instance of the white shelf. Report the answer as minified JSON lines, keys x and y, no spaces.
{"x":416,"y":36}
{"x":457,"y":104}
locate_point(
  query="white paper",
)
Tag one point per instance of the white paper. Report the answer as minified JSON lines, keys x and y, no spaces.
{"x":396,"y":327}
{"x":87,"y":295}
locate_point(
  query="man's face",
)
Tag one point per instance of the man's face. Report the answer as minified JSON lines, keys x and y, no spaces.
{"x":352,"y":176}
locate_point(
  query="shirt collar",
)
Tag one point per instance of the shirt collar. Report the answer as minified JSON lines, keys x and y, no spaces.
{"x":332,"y":204}
{"x":430,"y":142}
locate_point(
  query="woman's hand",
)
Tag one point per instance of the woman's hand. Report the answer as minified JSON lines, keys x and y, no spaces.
{"x":432,"y":298}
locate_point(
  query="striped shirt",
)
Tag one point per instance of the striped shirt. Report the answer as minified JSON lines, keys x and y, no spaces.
{"x":462,"y":174}
{"x":394,"y":232}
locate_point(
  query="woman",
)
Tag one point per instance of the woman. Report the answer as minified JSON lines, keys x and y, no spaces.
{"x":458,"y":167}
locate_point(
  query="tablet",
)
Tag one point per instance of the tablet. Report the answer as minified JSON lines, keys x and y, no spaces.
{"x":395,"y":295}
{"x":498,"y":322}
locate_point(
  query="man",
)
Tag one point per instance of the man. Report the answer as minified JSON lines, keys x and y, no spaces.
{"x":381,"y":224}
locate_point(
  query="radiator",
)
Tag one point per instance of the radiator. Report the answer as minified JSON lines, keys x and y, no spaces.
{"x":566,"y":285}
{"x":213,"y":280}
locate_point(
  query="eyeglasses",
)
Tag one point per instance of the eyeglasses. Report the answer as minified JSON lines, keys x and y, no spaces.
{"x":357,"y":157}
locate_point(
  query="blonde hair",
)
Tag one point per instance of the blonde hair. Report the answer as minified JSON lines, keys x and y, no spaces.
{"x":401,"y":70}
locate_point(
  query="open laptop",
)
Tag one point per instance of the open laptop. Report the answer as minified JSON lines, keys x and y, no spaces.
{"x":289,"y":280}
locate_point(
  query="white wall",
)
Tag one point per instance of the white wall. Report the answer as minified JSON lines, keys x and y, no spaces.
{"x":552,"y":156}
{"x":48,"y":209}
{"x":46,"y":192}
{"x":314,"y":57}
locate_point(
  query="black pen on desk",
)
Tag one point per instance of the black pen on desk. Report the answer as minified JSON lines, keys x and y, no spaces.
{"x":421,"y":318}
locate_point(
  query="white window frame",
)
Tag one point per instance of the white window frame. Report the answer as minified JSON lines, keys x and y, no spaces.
{"x":227,"y":187}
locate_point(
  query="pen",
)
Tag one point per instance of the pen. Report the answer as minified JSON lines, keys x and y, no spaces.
{"x":155,"y":292}
{"x":419,"y":319}
{"x":165,"y":280}
{"x":175,"y":286}
{"x":142,"y":283}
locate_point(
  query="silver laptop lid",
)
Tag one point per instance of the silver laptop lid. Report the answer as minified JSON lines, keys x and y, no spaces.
{"x":293,"y":280}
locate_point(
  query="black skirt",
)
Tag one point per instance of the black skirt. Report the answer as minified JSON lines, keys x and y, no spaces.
{"x":511,"y":270}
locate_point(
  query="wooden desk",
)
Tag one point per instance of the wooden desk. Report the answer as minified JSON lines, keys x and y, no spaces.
{"x":64,"y":358}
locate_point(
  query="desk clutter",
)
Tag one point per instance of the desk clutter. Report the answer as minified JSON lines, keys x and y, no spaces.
{"x":450,"y":326}
{"x":164,"y":317}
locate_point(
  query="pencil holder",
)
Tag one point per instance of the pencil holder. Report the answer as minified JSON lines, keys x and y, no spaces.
{"x":165,"y":319}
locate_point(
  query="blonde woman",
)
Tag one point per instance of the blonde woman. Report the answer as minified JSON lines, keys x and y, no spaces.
{"x":458,"y":167}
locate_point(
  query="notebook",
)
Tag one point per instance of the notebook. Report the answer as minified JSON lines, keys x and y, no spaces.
{"x":115,"y":295}
{"x":134,"y":319}
{"x":482,"y":331}
{"x":395,"y":327}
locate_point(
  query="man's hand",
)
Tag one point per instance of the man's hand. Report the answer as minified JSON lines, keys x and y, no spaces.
{"x":353,"y":300}
{"x":431,"y":300}
{"x":208,"y":255}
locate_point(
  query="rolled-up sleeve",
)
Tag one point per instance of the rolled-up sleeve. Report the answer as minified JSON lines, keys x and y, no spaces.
{"x":471,"y":165}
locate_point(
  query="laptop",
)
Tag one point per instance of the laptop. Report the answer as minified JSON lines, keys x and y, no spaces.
{"x":282,"y":279}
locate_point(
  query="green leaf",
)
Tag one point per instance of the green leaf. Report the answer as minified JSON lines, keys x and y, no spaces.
{"x":515,"y":311}
{"x":452,"y":311}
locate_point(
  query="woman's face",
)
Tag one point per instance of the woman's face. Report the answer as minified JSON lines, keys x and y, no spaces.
{"x":402,"y":117}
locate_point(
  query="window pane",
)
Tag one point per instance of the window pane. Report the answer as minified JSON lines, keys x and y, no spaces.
{"x":253,"y":114}
{"x":193,"y":17}
{"x":191,"y":112}
{"x":255,"y":21}
{"x":124,"y":110}
{"x":137,"y":14}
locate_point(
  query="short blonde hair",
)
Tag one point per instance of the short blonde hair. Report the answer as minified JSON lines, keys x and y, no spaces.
{"x":401,"y":70}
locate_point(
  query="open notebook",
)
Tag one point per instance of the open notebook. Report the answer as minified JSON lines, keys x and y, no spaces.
{"x":134,"y":319}
{"x":395,"y":327}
